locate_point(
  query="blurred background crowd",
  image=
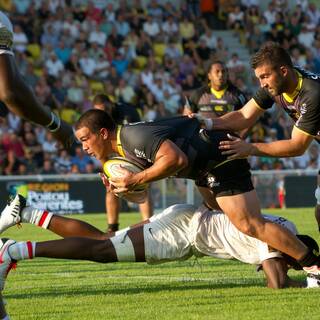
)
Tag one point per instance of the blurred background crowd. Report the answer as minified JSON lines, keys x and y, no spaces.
{"x":151,"y":54}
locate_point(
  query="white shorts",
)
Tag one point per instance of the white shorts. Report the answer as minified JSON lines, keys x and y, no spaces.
{"x":167,"y":236}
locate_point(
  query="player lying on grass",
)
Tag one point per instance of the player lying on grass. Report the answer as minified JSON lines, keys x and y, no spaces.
{"x":179,"y":232}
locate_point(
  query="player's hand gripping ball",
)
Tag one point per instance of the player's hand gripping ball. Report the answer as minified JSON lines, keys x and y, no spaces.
{"x":112,"y":169}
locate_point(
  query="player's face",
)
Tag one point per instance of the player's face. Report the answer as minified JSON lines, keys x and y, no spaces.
{"x":92,"y":143}
{"x":218,"y":76}
{"x":271,"y":79}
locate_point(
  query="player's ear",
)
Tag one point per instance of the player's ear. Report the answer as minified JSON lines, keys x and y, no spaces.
{"x":104,"y":133}
{"x":284,"y":70}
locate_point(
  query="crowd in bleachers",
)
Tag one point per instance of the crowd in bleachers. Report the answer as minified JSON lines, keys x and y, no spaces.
{"x":147,"y":53}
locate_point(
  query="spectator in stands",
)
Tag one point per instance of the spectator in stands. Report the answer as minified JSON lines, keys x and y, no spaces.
{"x":47,"y":167}
{"x":97,"y":36}
{"x":63,"y":52}
{"x":54,"y":66}
{"x":151,"y":27}
{"x":87,"y":64}
{"x":62,"y":163}
{"x":80,"y":159}
{"x":20,"y":40}
{"x":236,"y":66}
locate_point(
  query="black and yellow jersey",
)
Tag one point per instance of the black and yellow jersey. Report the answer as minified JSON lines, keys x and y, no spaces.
{"x":303,"y":106}
{"x":206,"y":99}
{"x":140,"y":142}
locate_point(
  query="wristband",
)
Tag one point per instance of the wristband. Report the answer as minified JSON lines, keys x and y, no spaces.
{"x":55,"y":123}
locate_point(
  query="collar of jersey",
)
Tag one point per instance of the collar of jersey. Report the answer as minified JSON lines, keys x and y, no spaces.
{"x":290,"y":97}
{"x":219,"y":93}
{"x":119,"y":144}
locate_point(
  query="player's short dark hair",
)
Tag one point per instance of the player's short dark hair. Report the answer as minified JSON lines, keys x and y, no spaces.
{"x":95,"y":120}
{"x":271,"y":53}
{"x":103,"y":99}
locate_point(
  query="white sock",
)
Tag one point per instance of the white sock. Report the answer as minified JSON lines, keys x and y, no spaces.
{"x":22,"y":250}
{"x":6,"y":317}
{"x":38,"y":217}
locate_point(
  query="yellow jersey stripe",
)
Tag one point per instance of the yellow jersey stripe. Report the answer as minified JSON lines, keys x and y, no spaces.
{"x":119,"y":145}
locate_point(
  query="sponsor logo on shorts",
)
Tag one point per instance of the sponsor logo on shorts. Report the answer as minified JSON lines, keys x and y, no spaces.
{"x":212,"y":182}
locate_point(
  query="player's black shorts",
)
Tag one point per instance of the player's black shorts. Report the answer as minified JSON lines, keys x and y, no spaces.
{"x":230,"y":178}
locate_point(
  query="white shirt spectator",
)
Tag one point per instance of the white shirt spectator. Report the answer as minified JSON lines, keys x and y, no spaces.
{"x":151,"y":27}
{"x":303,"y":4}
{"x":54,"y":66}
{"x":20,"y":39}
{"x":97,"y":36}
{"x":147,"y":77}
{"x":313,"y":13}
{"x":54,"y":4}
{"x":72,"y":25}
{"x":270,"y":14}
{"x":209,"y":38}
{"x":87,"y":64}
{"x":170,"y":27}
{"x":306,"y":38}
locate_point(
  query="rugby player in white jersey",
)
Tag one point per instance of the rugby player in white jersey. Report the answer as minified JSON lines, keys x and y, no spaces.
{"x":16,"y":94}
{"x":179,"y":232}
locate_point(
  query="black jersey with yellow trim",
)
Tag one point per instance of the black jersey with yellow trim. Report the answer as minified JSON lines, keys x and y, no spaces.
{"x":304,"y":108}
{"x":205,"y":100}
{"x":141,"y":141}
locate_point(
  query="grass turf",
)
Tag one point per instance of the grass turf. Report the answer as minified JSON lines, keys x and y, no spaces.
{"x":203,"y":289}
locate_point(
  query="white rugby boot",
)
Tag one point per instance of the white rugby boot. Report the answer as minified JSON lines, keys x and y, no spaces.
{"x":6,"y":262}
{"x":11,"y":214}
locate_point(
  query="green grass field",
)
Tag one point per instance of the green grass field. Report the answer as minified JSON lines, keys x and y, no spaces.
{"x":203,"y":289}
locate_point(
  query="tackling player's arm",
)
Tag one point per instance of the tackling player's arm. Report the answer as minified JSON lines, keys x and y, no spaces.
{"x":169,"y":160}
{"x":239,"y":119}
{"x":296,"y":146}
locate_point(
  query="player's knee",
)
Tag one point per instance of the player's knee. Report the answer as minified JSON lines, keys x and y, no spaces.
{"x":317,"y":194}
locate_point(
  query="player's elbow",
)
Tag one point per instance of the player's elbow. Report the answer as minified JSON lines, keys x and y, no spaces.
{"x":181,"y":161}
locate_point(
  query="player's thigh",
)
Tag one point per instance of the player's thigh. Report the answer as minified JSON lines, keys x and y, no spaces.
{"x":242,"y":209}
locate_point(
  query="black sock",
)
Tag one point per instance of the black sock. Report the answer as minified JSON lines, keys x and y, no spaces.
{"x":310,"y":259}
{"x":113,"y":227}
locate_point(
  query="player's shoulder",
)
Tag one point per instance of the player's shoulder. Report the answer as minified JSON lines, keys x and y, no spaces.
{"x":198,"y":92}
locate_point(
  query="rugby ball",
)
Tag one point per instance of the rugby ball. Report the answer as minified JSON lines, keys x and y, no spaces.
{"x":112,"y":169}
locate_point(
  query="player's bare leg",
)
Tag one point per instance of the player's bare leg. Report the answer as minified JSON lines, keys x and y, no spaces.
{"x":113,"y":209}
{"x":244,"y":212}
{"x":146,"y":208}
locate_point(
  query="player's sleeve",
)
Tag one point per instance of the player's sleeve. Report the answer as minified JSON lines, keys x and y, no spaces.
{"x":6,"y":35}
{"x":241,"y":100}
{"x":309,"y":120}
{"x":143,"y":141}
{"x":263,"y":99}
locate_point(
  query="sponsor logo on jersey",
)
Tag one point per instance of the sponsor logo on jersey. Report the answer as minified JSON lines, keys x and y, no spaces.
{"x":140,"y":154}
{"x":303,"y":108}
